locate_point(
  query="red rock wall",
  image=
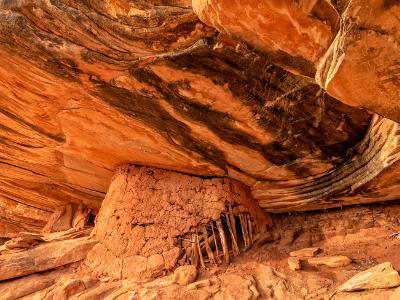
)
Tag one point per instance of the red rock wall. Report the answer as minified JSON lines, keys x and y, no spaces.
{"x":352,"y":45}
{"x":82,"y":80}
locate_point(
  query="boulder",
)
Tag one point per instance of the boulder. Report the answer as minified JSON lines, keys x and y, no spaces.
{"x":294,"y":263}
{"x":155,"y":265}
{"x":306,"y":252}
{"x":185,"y":275}
{"x":378,"y":277}
{"x":44,"y":257}
{"x":22,"y":242}
{"x":20,"y":287}
{"x":330,"y":261}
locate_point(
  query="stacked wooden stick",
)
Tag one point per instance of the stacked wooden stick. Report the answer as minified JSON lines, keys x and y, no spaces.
{"x":215,"y":243}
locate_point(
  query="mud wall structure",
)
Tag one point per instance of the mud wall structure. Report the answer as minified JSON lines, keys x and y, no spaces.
{"x":153,"y":220}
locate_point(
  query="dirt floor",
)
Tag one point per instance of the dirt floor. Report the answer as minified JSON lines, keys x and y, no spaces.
{"x":362,"y":233}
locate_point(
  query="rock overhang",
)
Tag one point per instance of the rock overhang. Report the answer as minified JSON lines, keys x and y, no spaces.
{"x":87,"y":87}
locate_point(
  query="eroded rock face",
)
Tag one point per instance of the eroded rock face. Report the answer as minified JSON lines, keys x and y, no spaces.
{"x":57,"y":252}
{"x":342,"y":68}
{"x":348,"y":43}
{"x":67,"y":217}
{"x":149,"y":216}
{"x":301,"y":30}
{"x":87,"y":86}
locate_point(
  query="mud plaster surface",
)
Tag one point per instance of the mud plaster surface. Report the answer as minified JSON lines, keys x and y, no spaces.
{"x":148,"y":212}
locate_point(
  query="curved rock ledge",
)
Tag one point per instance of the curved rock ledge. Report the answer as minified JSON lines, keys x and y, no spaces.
{"x":378,"y":151}
{"x":88,"y":85}
{"x":348,"y":43}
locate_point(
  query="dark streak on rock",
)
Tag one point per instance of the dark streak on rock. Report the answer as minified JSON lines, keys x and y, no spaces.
{"x":390,"y":3}
{"x":218,"y":122}
{"x":145,"y":107}
{"x":57,"y":138}
{"x":291,"y":119}
{"x":21,"y":38}
{"x":22,"y":168}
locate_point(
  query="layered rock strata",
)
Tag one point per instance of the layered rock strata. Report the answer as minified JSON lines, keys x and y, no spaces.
{"x":67,"y":217}
{"x":88,"y":85}
{"x":20,"y":257}
{"x":378,"y":151}
{"x":342,"y":44}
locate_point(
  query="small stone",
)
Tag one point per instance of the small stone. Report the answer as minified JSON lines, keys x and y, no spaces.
{"x":306,"y":252}
{"x":67,"y":289}
{"x":36,"y":236}
{"x":379,"y":277}
{"x":19,"y":242}
{"x":199,"y":284}
{"x":155,"y":265}
{"x":171,"y":258}
{"x":89,"y":281}
{"x":294,"y":263}
{"x":330,"y":261}
{"x":185,"y":275}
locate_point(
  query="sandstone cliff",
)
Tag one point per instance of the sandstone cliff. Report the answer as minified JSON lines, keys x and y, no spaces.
{"x":88,"y":85}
